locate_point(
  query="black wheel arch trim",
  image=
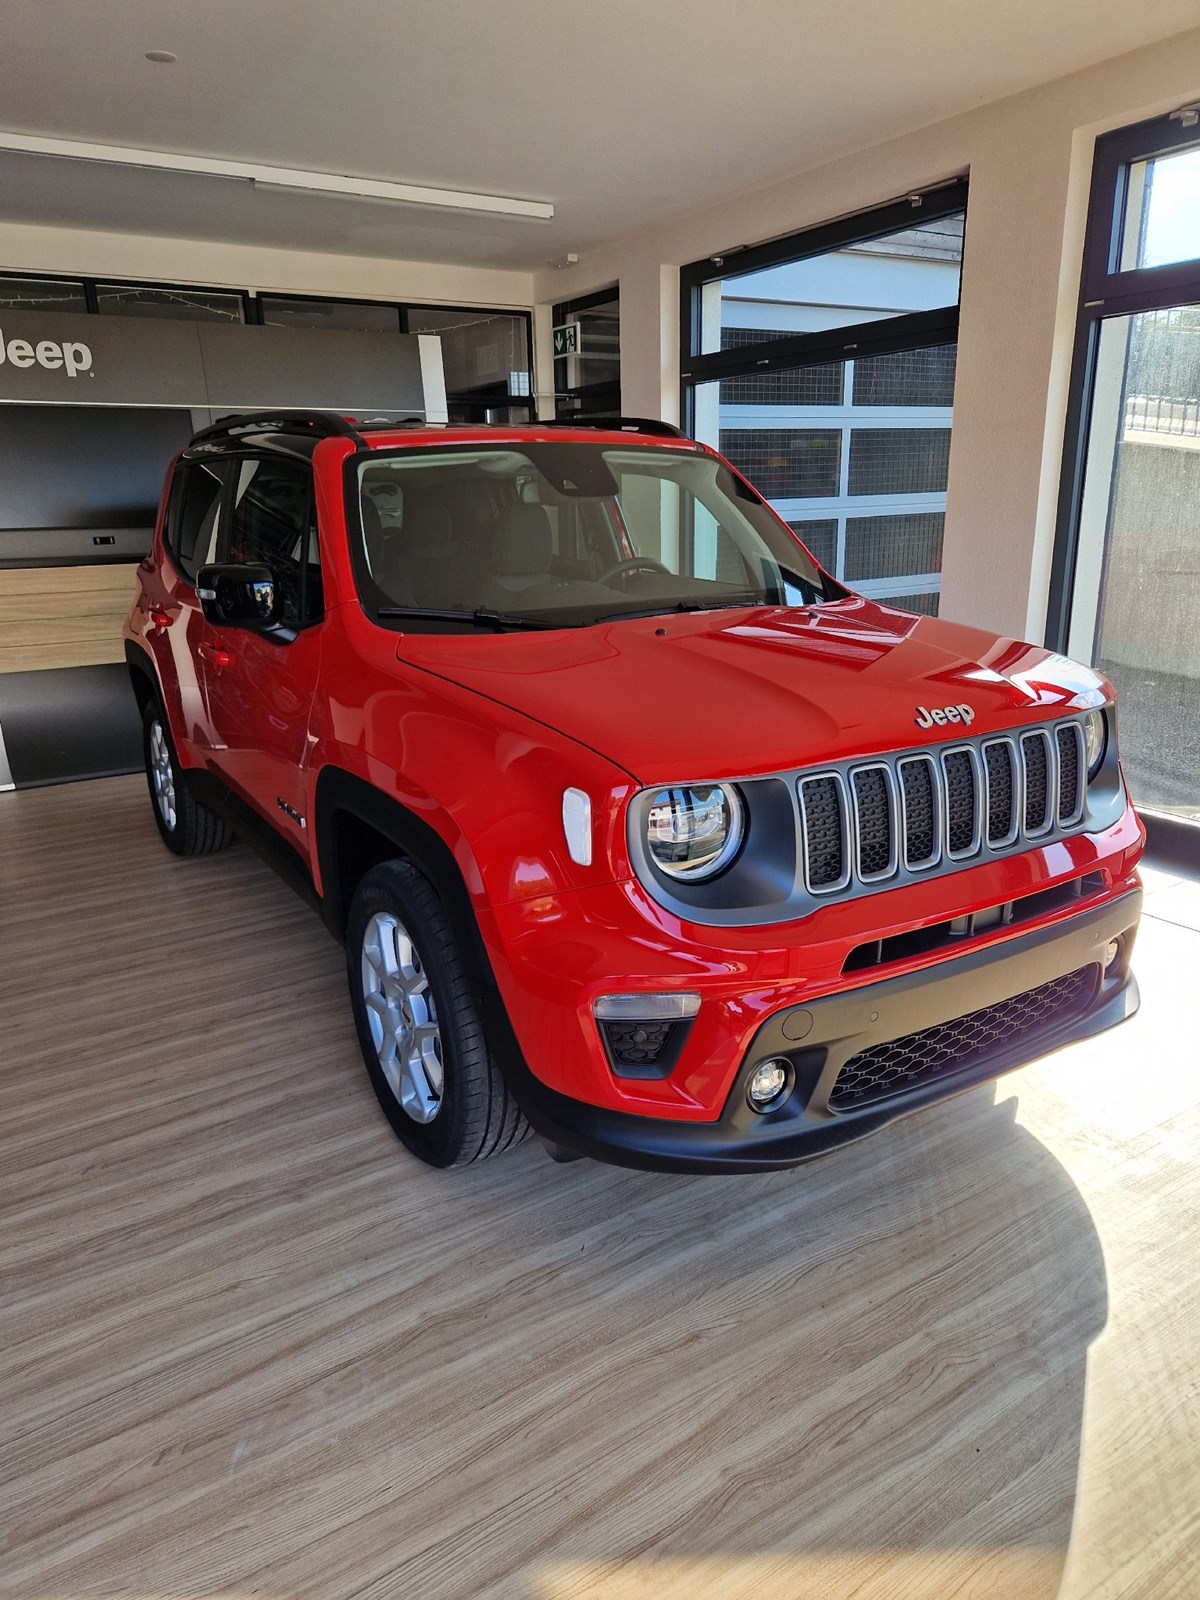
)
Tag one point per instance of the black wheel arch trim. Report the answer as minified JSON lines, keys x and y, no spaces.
{"x":141,"y":662}
{"x":341,"y":794}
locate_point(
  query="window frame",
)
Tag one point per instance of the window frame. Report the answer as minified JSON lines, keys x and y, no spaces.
{"x":909,"y":331}
{"x":324,"y":300}
{"x":477,"y":398}
{"x":1105,"y":291}
{"x":826,"y":347}
{"x":599,"y":399}
{"x":91,"y":286}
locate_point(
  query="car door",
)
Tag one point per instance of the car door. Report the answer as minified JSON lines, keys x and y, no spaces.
{"x":179,"y":633}
{"x":260,"y":687}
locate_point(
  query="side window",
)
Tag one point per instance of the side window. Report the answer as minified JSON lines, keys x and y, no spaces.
{"x":272,"y":521}
{"x":193,"y":519}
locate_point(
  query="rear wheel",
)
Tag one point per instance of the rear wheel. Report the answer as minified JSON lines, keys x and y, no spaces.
{"x":418,"y":1027}
{"x":185,"y":826}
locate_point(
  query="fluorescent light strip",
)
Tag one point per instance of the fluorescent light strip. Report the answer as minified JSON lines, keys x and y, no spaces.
{"x":291,"y":178}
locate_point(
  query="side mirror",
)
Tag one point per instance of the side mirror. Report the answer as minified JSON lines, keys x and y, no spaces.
{"x":240,"y":597}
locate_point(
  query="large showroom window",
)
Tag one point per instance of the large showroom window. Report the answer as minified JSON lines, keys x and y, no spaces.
{"x":587,"y":379}
{"x":488,"y":360}
{"x":1125,"y":593}
{"x":487,"y":354}
{"x":164,"y":301}
{"x":822,"y":365}
{"x":339,"y":316}
{"x":42,"y":294}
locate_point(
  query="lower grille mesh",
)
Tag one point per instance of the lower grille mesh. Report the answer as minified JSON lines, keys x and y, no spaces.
{"x":901,"y":1064}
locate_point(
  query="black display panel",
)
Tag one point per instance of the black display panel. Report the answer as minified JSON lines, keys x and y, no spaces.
{"x":82,"y":483}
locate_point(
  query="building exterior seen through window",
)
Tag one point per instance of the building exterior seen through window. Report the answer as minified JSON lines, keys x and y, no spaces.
{"x":1126,"y":592}
{"x":852,"y":451}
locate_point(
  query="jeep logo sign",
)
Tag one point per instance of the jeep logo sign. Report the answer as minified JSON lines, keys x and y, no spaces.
{"x":73,"y":357}
{"x":945,"y":714}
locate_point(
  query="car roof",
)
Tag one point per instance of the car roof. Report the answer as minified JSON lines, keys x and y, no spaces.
{"x":299,"y":432}
{"x":392,"y":438}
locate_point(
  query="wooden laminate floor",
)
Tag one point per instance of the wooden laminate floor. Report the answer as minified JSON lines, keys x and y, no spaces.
{"x":248,"y":1346}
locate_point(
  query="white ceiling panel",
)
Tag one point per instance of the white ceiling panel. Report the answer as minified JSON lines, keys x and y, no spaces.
{"x":619,"y":114}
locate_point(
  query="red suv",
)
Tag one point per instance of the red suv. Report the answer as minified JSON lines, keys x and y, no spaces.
{"x":636,"y":825}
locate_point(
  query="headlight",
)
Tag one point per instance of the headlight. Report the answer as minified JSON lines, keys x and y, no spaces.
{"x":1095,"y":740}
{"x":694,"y":833}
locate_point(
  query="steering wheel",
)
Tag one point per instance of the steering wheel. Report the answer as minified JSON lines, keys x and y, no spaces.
{"x":634,"y":564}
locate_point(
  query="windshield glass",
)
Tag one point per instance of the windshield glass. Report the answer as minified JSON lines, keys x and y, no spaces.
{"x":564,"y":535}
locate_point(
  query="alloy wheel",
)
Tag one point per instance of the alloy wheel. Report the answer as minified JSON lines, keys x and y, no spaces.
{"x":162,"y":778}
{"x":402,"y":1016}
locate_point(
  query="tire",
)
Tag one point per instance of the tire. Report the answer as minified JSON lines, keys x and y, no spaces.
{"x":185,"y":826}
{"x":418,"y":1027}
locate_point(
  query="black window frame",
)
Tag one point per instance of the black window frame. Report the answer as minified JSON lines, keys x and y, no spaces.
{"x":1105,"y":291}
{"x":76,"y":282}
{"x":93,"y":284}
{"x":323,"y":300}
{"x":488,"y":397}
{"x":601,"y":399}
{"x":909,"y":331}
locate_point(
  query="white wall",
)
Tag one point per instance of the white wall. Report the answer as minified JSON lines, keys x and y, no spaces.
{"x":207,"y":263}
{"x":1029,"y":159}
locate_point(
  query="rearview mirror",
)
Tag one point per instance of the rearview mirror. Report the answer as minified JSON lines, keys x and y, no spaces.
{"x":239,"y":597}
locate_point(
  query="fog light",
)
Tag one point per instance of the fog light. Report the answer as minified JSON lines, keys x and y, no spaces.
{"x":1112,"y":954}
{"x":768,"y":1084}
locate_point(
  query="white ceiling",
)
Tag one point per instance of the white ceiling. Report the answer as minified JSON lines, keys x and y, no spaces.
{"x":619,"y":113}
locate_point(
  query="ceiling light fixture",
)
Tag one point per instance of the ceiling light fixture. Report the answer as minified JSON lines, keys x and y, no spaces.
{"x":274,"y":178}
{"x":163,"y":58}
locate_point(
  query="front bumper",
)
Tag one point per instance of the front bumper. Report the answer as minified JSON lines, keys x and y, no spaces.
{"x":819,"y":1037}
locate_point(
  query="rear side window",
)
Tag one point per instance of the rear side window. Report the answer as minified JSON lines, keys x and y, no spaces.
{"x":193,"y":519}
{"x":271,"y":521}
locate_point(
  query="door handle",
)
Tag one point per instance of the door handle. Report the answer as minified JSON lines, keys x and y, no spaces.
{"x":217,"y":657}
{"x":161,"y":618}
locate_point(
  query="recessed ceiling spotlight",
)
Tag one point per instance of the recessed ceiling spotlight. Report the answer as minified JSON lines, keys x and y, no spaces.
{"x":163,"y":57}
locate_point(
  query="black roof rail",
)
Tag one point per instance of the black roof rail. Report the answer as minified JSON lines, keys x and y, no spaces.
{"x":652,"y":425}
{"x":321,"y":424}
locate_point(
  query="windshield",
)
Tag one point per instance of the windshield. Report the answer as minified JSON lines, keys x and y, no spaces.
{"x":565,"y":535}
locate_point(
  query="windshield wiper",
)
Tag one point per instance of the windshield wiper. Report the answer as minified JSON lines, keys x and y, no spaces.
{"x":688,"y":605}
{"x":481,"y":617}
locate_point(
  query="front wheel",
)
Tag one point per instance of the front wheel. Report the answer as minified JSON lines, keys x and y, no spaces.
{"x":186,"y":827}
{"x":420,"y":1033}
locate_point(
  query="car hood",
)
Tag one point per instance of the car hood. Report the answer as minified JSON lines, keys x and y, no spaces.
{"x":727,"y":694}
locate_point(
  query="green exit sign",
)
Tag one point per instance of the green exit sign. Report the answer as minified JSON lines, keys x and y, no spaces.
{"x":566,"y":340}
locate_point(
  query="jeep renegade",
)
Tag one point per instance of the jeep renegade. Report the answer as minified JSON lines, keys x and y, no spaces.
{"x":636,"y":825}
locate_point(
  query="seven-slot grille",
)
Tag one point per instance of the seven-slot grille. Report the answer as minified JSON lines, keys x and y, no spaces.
{"x":948,"y":805}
